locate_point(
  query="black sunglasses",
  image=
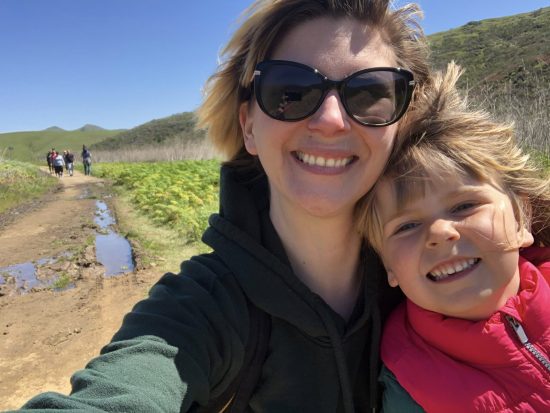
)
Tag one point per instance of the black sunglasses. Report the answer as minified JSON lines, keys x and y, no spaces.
{"x":291,"y":91}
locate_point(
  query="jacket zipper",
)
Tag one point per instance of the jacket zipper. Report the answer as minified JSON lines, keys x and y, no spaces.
{"x":520,"y":332}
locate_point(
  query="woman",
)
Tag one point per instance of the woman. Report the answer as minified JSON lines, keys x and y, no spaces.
{"x":303,"y":151}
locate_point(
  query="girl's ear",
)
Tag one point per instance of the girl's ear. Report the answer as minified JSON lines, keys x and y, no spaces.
{"x":524,"y":236}
{"x":247,"y":122}
{"x":392,"y":279}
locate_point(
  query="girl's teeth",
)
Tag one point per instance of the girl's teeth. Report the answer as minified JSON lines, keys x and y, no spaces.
{"x":450,"y":269}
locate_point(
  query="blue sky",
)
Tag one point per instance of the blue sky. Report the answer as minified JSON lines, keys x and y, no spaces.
{"x":121,"y":63}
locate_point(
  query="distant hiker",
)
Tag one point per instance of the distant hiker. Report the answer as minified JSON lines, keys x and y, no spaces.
{"x":53,"y":154}
{"x":58,"y":164}
{"x":86,"y":160}
{"x":68,"y":157}
{"x":49,"y":161}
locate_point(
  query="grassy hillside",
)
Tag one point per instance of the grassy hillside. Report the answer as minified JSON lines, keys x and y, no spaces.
{"x":512,"y":50}
{"x":33,"y":146}
{"x":172,"y":129}
{"x":507,"y":63}
{"x":20,"y":182}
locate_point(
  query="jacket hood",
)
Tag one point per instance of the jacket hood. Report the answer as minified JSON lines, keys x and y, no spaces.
{"x":243,"y":236}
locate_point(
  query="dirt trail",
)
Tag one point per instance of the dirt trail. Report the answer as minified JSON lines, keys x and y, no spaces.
{"x":45,"y":335}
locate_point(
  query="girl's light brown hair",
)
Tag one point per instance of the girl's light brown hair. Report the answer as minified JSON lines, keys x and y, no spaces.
{"x":441,"y":132}
{"x":264,"y":23}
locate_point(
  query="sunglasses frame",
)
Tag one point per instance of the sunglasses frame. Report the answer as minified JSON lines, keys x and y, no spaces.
{"x":329,"y":84}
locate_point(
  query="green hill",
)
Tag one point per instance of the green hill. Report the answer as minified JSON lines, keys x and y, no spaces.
{"x":507,"y":70}
{"x":512,"y":51}
{"x":33,"y":146}
{"x":179,"y":127}
{"x":89,"y":127}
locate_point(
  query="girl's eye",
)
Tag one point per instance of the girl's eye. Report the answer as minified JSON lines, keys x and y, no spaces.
{"x":406,"y":227}
{"x":463,"y":207}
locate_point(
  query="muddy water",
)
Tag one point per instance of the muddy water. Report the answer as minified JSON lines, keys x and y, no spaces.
{"x":24,"y":277}
{"x":112,"y":250}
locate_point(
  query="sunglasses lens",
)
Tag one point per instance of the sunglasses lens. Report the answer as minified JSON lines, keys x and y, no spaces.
{"x":288,"y":92}
{"x":377,"y":97}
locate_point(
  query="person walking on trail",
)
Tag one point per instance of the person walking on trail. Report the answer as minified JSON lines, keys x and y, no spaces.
{"x":49,"y":161}
{"x":68,"y":156}
{"x":313,"y":91}
{"x":86,"y":160}
{"x":53,"y":155}
{"x":461,"y":220}
{"x":58,"y":164}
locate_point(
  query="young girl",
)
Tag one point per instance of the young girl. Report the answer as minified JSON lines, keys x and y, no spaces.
{"x":460,"y":220}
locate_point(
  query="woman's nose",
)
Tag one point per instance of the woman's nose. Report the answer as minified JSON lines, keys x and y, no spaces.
{"x":331,"y":117}
{"x":440,"y":232}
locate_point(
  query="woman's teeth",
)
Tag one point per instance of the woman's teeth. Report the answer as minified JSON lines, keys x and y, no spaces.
{"x":447,"y":270}
{"x":322,"y":161}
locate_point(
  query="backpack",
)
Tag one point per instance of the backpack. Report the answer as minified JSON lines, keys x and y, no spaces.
{"x":237,"y":395}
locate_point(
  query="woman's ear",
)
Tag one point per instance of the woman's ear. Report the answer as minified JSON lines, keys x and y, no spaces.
{"x":392,"y":279}
{"x":247,"y":122}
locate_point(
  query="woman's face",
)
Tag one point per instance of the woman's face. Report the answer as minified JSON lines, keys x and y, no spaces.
{"x":324,"y":164}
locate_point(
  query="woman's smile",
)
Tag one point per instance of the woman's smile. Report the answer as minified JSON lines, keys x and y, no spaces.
{"x":324,"y":164}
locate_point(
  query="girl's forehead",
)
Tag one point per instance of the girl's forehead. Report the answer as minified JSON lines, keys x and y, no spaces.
{"x":408,"y":188}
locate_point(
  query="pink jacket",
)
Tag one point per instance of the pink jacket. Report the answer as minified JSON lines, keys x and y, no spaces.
{"x":452,"y":365}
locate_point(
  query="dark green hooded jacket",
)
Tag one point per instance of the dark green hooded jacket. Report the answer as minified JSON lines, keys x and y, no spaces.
{"x":185,"y":344}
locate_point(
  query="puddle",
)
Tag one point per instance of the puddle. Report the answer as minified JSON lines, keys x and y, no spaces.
{"x":23,"y":274}
{"x":103,"y":217}
{"x":23,"y":277}
{"x":112,"y":250}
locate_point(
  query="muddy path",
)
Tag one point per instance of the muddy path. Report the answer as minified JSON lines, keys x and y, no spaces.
{"x":46,"y":333}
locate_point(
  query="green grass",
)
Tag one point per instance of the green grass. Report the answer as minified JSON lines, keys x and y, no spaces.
{"x":542,"y":160}
{"x":20,"y":182}
{"x":156,"y":246}
{"x":33,"y":146}
{"x":62,"y":282}
{"x":179,"y":195}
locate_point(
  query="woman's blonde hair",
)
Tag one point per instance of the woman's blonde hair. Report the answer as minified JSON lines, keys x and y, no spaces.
{"x":265,"y":23}
{"x":442,"y":134}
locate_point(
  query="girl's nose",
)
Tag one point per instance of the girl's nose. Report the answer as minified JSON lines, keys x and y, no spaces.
{"x":440,"y":232}
{"x":331,"y":117}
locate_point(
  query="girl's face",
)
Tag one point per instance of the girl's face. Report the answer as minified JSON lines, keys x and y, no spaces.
{"x":455,"y":249}
{"x":324,"y":164}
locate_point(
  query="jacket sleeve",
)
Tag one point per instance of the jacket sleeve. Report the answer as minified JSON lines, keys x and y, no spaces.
{"x":181,"y":346}
{"x":395,"y":398}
